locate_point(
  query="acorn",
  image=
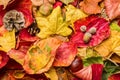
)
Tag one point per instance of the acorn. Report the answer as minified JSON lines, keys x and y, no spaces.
{"x":46,"y":9}
{"x":87,"y":36}
{"x":92,"y":30}
{"x":83,"y":28}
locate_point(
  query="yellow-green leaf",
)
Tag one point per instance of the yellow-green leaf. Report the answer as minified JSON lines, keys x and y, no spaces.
{"x":52,"y":74}
{"x":73,"y":14}
{"x":52,"y":24}
{"x":7,"y":41}
{"x":66,"y":1}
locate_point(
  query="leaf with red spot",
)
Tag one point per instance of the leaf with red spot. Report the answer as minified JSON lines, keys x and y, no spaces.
{"x":102,"y":31}
{"x":3,"y":58}
{"x":112,"y":8}
{"x":65,"y":54}
{"x":97,"y":71}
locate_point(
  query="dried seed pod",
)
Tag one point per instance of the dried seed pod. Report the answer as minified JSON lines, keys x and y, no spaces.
{"x":83,"y":28}
{"x":46,"y":9}
{"x":33,"y":29}
{"x":14,"y":19}
{"x":92,"y":30}
{"x":87,"y":36}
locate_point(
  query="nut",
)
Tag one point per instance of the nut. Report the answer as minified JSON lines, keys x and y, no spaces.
{"x":83,"y":28}
{"x":87,"y":36}
{"x":92,"y":30}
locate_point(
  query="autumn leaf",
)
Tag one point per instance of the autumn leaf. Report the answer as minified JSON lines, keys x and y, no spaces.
{"x":66,"y":1}
{"x":109,"y":46}
{"x":73,"y":14}
{"x":51,"y":74}
{"x":5,"y":2}
{"x":53,"y":24}
{"x":40,"y":56}
{"x":90,"y":6}
{"x":112,"y":8}
{"x":7,"y":41}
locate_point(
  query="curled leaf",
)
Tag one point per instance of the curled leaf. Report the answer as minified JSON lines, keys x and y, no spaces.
{"x":53,"y":24}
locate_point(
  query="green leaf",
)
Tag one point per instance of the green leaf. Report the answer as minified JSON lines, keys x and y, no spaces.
{"x":92,"y":60}
{"x":109,"y":69}
{"x":52,"y":24}
{"x":115,"y":26}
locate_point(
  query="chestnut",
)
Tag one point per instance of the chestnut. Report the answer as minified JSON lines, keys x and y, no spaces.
{"x":76,"y":65}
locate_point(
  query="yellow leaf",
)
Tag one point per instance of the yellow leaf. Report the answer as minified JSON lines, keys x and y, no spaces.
{"x":52,"y":74}
{"x":109,"y":46}
{"x":52,"y":24}
{"x":73,"y":14}
{"x":7,"y":41}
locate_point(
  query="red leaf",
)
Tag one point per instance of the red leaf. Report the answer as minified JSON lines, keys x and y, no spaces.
{"x":102,"y":31}
{"x":114,"y":77}
{"x":97,"y":71}
{"x":57,"y":3}
{"x":112,"y":8}
{"x":3,"y":59}
{"x":65,"y":54}
{"x":85,"y":73}
{"x":25,"y":35}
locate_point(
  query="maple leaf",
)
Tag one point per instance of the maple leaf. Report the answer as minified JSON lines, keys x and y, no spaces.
{"x":53,"y":24}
